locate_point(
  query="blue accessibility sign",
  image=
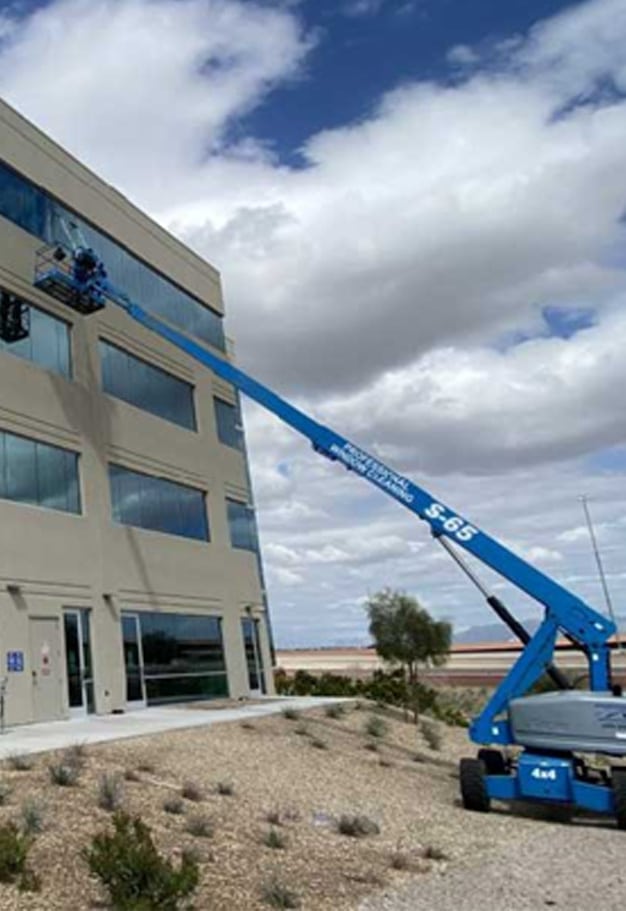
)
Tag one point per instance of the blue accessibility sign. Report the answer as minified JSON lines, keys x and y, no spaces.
{"x":15,"y":661}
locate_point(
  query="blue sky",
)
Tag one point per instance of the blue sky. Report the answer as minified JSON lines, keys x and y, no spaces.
{"x":417,"y":211}
{"x":363,"y":49}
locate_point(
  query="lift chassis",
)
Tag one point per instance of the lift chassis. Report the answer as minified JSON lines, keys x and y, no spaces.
{"x":550,"y":731}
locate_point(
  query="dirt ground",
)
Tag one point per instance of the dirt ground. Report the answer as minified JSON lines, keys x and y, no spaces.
{"x":309,"y":771}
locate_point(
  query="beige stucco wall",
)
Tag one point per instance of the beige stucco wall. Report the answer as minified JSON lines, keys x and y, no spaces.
{"x":60,"y":560}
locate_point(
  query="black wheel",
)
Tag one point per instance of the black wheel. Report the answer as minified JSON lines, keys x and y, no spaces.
{"x":493,"y":760}
{"x":473,"y":785}
{"x":618,"y":784}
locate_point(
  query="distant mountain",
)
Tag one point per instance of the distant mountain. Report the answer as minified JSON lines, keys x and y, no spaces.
{"x":498,"y":632}
{"x":491,"y":632}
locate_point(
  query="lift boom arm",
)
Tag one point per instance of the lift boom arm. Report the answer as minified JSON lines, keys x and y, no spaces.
{"x":564,"y":611}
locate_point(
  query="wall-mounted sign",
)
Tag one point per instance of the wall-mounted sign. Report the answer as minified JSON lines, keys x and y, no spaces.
{"x":45,"y":659}
{"x":15,"y":662}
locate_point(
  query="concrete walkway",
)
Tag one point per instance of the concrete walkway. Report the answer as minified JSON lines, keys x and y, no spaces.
{"x":55,"y":735}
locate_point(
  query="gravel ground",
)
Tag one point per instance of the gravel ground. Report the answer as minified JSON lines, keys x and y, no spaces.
{"x":429,"y":853}
{"x":575,"y":867}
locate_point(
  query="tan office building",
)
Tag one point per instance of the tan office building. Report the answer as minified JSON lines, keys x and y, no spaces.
{"x":129,"y":565}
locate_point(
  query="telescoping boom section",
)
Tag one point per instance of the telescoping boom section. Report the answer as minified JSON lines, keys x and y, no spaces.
{"x":77,"y":277}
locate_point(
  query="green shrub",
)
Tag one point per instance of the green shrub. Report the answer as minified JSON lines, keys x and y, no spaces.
{"x":135,"y":875}
{"x":33,"y":814}
{"x":275,"y":839}
{"x":357,"y":826}
{"x":20,"y":762}
{"x":64,"y":774}
{"x":278,"y":895}
{"x":192,"y":791}
{"x":376,"y":726}
{"x":14,"y":848}
{"x":110,"y":792}
{"x":200,"y":826}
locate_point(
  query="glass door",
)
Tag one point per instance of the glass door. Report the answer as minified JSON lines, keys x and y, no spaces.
{"x":252,"y":645}
{"x":133,"y":661}
{"x":78,"y":666}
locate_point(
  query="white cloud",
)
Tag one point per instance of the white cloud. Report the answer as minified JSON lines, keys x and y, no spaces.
{"x":375,"y":283}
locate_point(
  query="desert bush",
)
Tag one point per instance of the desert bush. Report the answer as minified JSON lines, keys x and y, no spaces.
{"x":275,"y":839}
{"x":431,"y":732}
{"x":5,"y":792}
{"x":32,"y":816}
{"x":110,"y":792}
{"x":334,"y":711}
{"x":278,"y":895}
{"x":14,"y":848}
{"x":20,"y":762}
{"x":431,"y":852}
{"x":174,"y":805}
{"x":226,"y":788}
{"x":64,"y":774}
{"x":376,"y":726}
{"x":274,"y":817}
{"x":200,"y":826}
{"x":399,"y":860}
{"x":133,"y":872}
{"x":291,"y":714}
{"x":357,"y":826}
{"x":192,"y":791}
{"x":319,"y":743}
{"x":76,"y":755}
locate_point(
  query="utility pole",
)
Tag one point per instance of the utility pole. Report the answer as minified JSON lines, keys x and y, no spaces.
{"x":605,"y":588}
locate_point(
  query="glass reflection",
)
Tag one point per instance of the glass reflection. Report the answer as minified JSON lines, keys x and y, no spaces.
{"x":157,"y":504}
{"x":141,"y":384}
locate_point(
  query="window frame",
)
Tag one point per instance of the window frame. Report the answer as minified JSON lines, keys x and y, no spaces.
{"x":104,"y":341}
{"x":6,"y":348}
{"x":72,"y":496}
{"x":148,"y":479}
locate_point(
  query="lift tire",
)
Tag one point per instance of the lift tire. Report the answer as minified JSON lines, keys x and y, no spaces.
{"x":473,"y":785}
{"x":618,"y":784}
{"x":493,"y":760}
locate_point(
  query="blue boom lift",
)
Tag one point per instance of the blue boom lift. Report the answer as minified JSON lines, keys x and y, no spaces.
{"x":550,"y":730}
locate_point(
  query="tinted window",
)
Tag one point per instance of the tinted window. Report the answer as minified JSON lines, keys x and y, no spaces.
{"x":228,"y":422}
{"x":48,"y":343}
{"x":154,"y":503}
{"x":36,"y":473}
{"x":36,"y":212}
{"x":133,"y":380}
{"x":183,"y":657}
{"x":242,"y":526}
{"x":181,"y":644}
